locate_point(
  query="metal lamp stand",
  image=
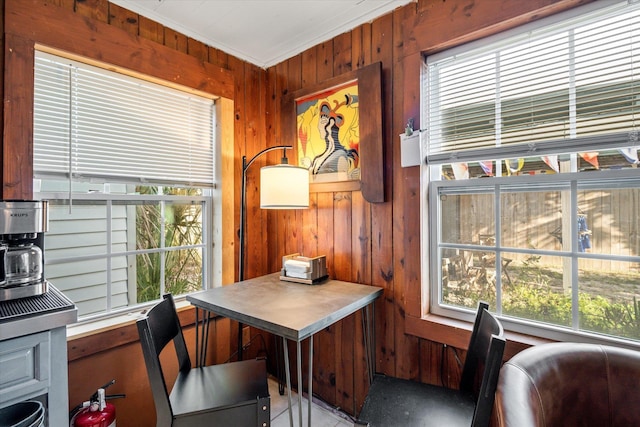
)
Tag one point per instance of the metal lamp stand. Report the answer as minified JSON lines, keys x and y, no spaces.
{"x":243,"y":214}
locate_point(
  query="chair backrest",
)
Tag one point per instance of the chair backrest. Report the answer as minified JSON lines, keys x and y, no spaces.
{"x":482,"y":364}
{"x":157,"y":329}
{"x":570,"y":384}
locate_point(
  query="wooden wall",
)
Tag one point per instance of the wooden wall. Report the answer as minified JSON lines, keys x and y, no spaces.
{"x":376,"y":244}
{"x":101,"y":31}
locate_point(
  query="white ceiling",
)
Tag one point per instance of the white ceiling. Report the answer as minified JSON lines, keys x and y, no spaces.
{"x":263,"y":32}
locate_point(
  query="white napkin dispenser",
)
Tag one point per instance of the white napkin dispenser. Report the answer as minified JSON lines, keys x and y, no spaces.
{"x":301,"y":269}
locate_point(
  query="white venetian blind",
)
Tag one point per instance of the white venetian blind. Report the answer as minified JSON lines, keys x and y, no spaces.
{"x":570,"y":81}
{"x":90,"y":123}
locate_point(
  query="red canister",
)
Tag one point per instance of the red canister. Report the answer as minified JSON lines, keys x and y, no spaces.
{"x":97,"y":414}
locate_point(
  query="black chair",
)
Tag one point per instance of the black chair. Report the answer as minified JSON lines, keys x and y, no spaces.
{"x":398,"y":402}
{"x":230,"y":394}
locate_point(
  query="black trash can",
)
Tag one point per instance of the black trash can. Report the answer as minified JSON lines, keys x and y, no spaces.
{"x":23,"y":414}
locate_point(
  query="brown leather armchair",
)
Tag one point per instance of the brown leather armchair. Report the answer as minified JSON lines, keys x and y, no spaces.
{"x":570,"y":384}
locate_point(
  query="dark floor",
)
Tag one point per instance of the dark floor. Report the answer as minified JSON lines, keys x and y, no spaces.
{"x":393,"y":402}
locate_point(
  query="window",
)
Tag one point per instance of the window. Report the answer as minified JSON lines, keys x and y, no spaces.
{"x":531,"y":184}
{"x":128,"y":168}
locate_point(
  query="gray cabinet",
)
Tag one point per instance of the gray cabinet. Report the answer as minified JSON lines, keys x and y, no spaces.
{"x":24,"y":367}
{"x":35,"y":367}
{"x":33,"y":353}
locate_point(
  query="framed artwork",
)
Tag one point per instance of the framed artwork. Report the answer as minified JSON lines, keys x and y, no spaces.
{"x":336,"y":130}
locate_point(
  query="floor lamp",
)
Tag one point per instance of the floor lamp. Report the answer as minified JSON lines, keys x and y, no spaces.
{"x":282,"y":186}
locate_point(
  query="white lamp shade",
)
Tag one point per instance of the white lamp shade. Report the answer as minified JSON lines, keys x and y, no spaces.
{"x":284,"y":187}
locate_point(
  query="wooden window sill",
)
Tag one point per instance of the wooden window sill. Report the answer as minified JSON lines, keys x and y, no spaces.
{"x":93,"y":337}
{"x":456,"y":333}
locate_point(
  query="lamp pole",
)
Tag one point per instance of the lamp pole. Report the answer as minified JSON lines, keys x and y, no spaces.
{"x":243,"y":202}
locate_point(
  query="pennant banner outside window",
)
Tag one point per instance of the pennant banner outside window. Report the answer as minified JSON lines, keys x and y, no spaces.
{"x":552,"y":162}
{"x":592,"y":158}
{"x":514,"y":165}
{"x":487,"y":167}
{"x":460,"y":170}
{"x":631,"y":154}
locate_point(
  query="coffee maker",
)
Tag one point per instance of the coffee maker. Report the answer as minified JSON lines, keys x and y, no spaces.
{"x":22,"y":227}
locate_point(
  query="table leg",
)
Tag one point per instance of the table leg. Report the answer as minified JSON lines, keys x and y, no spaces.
{"x":203,"y":343}
{"x":300,"y":389}
{"x":206,"y":318}
{"x":288,"y":377}
{"x":197,"y":348}
{"x":279,"y":366}
{"x":310,"y":379}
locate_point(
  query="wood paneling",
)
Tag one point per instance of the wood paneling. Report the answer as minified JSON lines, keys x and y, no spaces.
{"x":197,"y":49}
{"x":342,"y":54}
{"x":124,"y":19}
{"x":344,"y":333}
{"x":382,"y":213}
{"x":151,"y":30}
{"x":325,"y":349}
{"x":384,"y":247}
{"x":442,"y":24}
{"x":324,"y":63}
{"x":174,"y":40}
{"x":360,"y":273}
{"x":309,"y":68}
{"x":94,"y":9}
{"x":17,"y":149}
{"x":81,"y":28}
{"x":50,"y":26}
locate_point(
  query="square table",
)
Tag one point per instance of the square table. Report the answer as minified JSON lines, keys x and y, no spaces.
{"x":293,"y":311}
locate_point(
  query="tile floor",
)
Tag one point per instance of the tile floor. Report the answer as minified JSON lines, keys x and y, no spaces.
{"x":320,"y":416}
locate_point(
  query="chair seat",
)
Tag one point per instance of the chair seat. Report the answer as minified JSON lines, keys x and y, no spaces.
{"x":219,"y":387}
{"x":397,"y":402}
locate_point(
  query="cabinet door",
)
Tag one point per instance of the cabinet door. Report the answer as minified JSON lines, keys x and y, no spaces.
{"x":24,"y":367}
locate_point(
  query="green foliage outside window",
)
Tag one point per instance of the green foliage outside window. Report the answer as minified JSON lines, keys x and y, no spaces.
{"x":182,"y":228}
{"x":535,"y":293}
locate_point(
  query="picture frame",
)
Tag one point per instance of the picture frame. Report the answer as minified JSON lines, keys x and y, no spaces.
{"x":335,"y":128}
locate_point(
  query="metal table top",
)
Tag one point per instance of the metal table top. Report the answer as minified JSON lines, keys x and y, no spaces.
{"x":291,"y":310}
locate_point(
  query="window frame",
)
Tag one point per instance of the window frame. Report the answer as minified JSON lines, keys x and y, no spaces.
{"x":110,"y":199}
{"x":30,"y":28}
{"x":212,"y":217}
{"x":211,"y":204}
{"x":571,"y":182}
{"x":429,"y":295}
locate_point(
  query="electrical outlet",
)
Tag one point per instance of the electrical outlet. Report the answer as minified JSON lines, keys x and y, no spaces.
{"x":246,"y":336}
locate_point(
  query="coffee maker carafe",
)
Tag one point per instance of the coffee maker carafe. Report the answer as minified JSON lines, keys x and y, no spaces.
{"x":22,"y":227}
